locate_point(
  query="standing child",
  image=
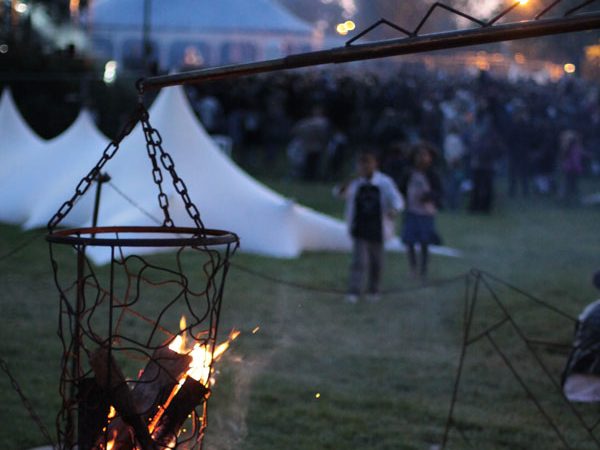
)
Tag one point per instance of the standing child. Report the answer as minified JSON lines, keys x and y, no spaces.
{"x":372,"y":203}
{"x":421,"y":187}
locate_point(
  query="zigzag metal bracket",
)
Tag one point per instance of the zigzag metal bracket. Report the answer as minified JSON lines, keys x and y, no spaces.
{"x":454,"y":11}
{"x":421,"y":23}
{"x":485,"y":33}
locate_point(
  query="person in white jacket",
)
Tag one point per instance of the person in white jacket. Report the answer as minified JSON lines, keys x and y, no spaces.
{"x":372,"y":205}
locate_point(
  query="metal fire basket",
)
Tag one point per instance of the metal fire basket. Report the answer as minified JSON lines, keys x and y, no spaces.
{"x":139,"y":332}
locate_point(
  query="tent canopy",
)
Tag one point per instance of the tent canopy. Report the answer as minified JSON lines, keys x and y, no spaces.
{"x":17,"y":139}
{"x":204,"y":15}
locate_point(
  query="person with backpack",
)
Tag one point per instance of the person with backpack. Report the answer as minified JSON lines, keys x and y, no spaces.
{"x":372,"y":204}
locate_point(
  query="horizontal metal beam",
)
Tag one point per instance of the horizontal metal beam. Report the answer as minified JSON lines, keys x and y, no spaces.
{"x":382,"y":49}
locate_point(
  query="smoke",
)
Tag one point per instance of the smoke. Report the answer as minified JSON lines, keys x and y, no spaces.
{"x":348,"y":7}
{"x":481,"y":9}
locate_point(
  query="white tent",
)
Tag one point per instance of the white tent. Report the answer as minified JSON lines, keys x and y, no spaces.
{"x":18,"y":146}
{"x":54,"y":175}
{"x":208,"y":32}
{"x":226,"y":196}
{"x":230,"y":15}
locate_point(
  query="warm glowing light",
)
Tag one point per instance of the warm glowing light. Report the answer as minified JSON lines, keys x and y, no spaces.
{"x":111,"y":444}
{"x":110,"y":72}
{"x":201,"y":354}
{"x":318,"y":395}
{"x":341,"y":29}
{"x":74,"y":8}
{"x":21,"y":7}
{"x":482,"y":63}
{"x":177,"y":344}
{"x":112,"y":412}
{"x":523,"y":2}
{"x":182,"y":327}
{"x":192,"y":57}
{"x":200,"y":367}
{"x":592,"y":52}
{"x":255,"y":330}
{"x":569,"y":68}
{"x":350,"y":25}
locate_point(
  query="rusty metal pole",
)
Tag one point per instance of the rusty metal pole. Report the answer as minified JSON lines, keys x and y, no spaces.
{"x":394,"y":47}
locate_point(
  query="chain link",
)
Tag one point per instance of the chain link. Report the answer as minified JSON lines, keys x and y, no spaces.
{"x":86,"y":181}
{"x":154,"y":148}
{"x":154,"y":145}
{"x":36,"y":418}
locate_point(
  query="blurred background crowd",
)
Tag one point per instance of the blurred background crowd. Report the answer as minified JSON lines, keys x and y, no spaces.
{"x":543,"y":138}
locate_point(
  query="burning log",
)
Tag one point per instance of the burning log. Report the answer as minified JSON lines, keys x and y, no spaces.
{"x":111,"y":379}
{"x":160,"y":376}
{"x":191,"y":394}
{"x":172,"y":384}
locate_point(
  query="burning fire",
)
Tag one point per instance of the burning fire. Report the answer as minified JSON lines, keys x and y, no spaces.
{"x":202,"y":357}
{"x":200,"y":367}
{"x":110,"y":444}
{"x":201,"y":354}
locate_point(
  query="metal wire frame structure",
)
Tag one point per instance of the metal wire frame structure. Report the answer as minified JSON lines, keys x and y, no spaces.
{"x":118,"y":322}
{"x":478,"y":285}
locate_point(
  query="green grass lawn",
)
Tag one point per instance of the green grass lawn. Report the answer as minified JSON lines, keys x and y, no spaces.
{"x":322,"y":374}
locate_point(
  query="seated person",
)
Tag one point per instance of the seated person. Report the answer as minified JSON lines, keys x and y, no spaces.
{"x":581,"y":377}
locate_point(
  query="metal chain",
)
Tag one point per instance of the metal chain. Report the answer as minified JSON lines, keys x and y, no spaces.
{"x":155,"y":153}
{"x":87,"y":180}
{"x":26,"y":403}
{"x":154,"y":143}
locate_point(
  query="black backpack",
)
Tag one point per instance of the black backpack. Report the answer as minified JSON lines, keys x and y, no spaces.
{"x":366,"y":223}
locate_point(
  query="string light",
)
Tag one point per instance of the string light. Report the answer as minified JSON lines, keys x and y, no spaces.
{"x":341,"y":29}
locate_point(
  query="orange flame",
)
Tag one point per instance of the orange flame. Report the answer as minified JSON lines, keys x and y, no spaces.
{"x":199,"y":368}
{"x":110,"y":444}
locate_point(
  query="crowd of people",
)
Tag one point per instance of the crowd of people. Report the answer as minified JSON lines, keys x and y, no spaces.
{"x":542,"y":137}
{"x":433,"y":141}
